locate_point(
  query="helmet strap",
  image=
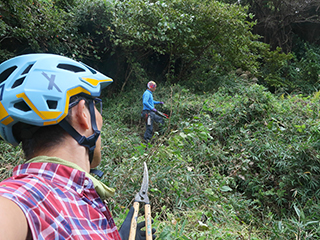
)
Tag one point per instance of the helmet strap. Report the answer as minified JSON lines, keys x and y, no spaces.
{"x":88,"y":142}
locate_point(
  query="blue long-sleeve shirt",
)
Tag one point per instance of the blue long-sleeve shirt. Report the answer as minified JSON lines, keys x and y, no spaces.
{"x":147,"y":100}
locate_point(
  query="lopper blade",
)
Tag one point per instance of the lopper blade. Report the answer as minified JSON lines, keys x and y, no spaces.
{"x":142,"y":195}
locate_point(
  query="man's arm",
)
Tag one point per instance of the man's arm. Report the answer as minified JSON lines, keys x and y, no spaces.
{"x":13,"y":223}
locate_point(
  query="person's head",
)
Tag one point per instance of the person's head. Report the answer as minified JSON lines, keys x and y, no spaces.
{"x":37,"y":95}
{"x":152,"y":86}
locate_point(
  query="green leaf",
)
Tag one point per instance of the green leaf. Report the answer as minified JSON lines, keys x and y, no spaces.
{"x":225,"y":189}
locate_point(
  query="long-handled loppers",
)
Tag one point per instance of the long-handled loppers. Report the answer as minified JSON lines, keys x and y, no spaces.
{"x":142,"y":197}
{"x":162,"y":114}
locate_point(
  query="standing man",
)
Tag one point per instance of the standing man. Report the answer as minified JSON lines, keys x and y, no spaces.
{"x":149,"y":112}
{"x":49,"y":104}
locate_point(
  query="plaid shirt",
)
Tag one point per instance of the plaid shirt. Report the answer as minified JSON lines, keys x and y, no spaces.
{"x":59,"y":202}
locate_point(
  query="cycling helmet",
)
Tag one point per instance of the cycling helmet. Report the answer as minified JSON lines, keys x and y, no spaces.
{"x":36,"y":88}
{"x":152,"y":85}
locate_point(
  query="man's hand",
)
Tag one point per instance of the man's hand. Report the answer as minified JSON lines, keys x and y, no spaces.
{"x":161,"y":103}
{"x":125,"y":228}
{"x":155,"y":110}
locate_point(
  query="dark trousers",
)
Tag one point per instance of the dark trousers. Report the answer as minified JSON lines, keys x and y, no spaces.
{"x":150,"y":117}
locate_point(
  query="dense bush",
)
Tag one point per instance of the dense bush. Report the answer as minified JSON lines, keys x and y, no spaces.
{"x":133,"y":41}
{"x":298,"y":71}
{"x":32,"y":26}
{"x":247,"y":139}
{"x":180,"y":41}
{"x":238,"y":155}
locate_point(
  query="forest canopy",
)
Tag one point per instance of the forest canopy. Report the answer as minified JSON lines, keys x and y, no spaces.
{"x":175,"y":41}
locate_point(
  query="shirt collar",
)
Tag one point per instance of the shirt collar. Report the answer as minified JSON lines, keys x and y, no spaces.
{"x":70,"y":177}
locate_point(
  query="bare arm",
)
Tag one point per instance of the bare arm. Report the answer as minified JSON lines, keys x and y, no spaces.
{"x":13,"y":223}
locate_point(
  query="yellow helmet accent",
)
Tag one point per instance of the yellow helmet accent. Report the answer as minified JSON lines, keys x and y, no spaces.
{"x":3,"y":112}
{"x":45,"y":115}
{"x":95,"y":82}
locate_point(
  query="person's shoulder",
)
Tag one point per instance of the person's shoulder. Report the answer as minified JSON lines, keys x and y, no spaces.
{"x":11,"y":219}
{"x":19,"y":186}
{"x":20,"y":180}
{"x":146,"y":92}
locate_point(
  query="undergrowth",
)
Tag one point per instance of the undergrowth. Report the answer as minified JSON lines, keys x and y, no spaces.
{"x":237,"y":163}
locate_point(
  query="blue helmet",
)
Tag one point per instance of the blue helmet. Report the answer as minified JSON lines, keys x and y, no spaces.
{"x":36,"y":89}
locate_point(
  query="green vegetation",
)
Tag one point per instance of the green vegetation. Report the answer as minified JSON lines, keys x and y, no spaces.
{"x":240,"y":160}
{"x":240,"y":155}
{"x":133,"y":40}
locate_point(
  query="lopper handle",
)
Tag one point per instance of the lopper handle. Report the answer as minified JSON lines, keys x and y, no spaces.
{"x":147,"y":208}
{"x":133,"y":227}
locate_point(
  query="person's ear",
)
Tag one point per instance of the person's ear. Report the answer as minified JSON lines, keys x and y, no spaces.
{"x":82,"y":115}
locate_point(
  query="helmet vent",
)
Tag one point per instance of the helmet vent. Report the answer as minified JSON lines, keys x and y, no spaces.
{"x":71,"y":68}
{"x":22,"y":106}
{"x":91,"y":69}
{"x":6,"y":73}
{"x":27,"y":69}
{"x":52,"y":104}
{"x":18,"y":82}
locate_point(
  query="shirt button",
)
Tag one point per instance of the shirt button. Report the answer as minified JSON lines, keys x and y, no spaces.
{"x":86,"y":183}
{"x":79,"y":191}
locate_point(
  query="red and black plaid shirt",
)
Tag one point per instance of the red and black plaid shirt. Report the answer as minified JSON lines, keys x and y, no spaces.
{"x":59,"y":202}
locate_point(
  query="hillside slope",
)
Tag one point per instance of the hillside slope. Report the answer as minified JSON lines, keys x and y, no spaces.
{"x":235,"y":163}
